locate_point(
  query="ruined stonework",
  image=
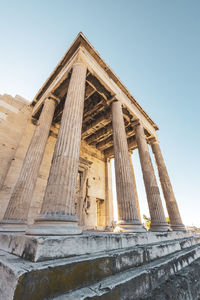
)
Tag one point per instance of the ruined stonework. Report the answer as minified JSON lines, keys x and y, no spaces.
{"x":14,"y":115}
{"x":58,"y":238}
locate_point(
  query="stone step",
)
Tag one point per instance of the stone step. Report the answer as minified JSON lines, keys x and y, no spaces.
{"x":40,"y":248}
{"x":44,"y":279}
{"x":137,"y":282}
{"x":184,"y":285}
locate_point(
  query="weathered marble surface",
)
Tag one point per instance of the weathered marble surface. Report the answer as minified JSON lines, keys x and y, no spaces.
{"x":13,"y":110}
{"x":128,"y":218}
{"x":116,"y":272}
{"x":184,"y":285}
{"x":136,"y":283}
{"x":158,"y":221}
{"x":18,"y":207}
{"x":171,"y":203}
{"x":38,"y":248}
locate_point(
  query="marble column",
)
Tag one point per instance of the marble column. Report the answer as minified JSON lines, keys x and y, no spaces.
{"x":172,"y":207}
{"x":109,"y":195}
{"x":15,"y":218}
{"x":128,"y":219}
{"x":158,"y":221}
{"x":57,"y":216}
{"x":135,"y":187}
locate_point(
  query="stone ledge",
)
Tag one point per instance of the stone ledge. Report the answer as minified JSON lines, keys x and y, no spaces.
{"x":40,"y":248}
{"x":21,"y":279}
{"x":182,"y":285}
{"x":135,"y":283}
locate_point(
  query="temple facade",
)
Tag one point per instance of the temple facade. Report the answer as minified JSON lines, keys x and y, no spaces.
{"x":55,"y":175}
{"x":57,"y":235}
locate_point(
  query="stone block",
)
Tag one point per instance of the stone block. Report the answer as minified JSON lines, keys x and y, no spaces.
{"x":39,"y":248}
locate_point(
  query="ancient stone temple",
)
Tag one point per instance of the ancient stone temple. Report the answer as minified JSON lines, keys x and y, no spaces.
{"x":56,"y":190}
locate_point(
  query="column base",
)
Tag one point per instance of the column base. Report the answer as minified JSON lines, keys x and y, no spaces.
{"x":12,"y":226}
{"x":178,"y":227}
{"x":54,"y":224}
{"x":129,"y":226}
{"x":54,"y":228}
{"x":160,"y":227}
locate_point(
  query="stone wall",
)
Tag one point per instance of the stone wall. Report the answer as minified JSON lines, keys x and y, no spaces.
{"x":15,"y":166}
{"x":14,"y":112}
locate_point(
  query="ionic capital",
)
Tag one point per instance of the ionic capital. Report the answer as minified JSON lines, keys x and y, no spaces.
{"x":54,"y":98}
{"x":136,"y":123}
{"x":111,"y":100}
{"x":152,"y":140}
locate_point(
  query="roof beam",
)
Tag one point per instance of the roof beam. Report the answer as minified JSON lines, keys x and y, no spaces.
{"x":105,"y":143}
{"x":89,"y":91}
{"x":93,"y":109}
{"x":103,"y":132}
{"x":100,"y":122}
{"x":109,"y":141}
{"x":95,"y":83}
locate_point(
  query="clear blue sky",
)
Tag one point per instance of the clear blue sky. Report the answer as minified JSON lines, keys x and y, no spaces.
{"x":152,"y":45}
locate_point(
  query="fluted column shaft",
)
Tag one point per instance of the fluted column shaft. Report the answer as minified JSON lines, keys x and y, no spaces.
{"x":158,"y":221}
{"x":18,"y":207}
{"x":108,"y":191}
{"x":127,"y":208}
{"x":135,"y":187}
{"x":172,"y":207}
{"x":59,"y":197}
